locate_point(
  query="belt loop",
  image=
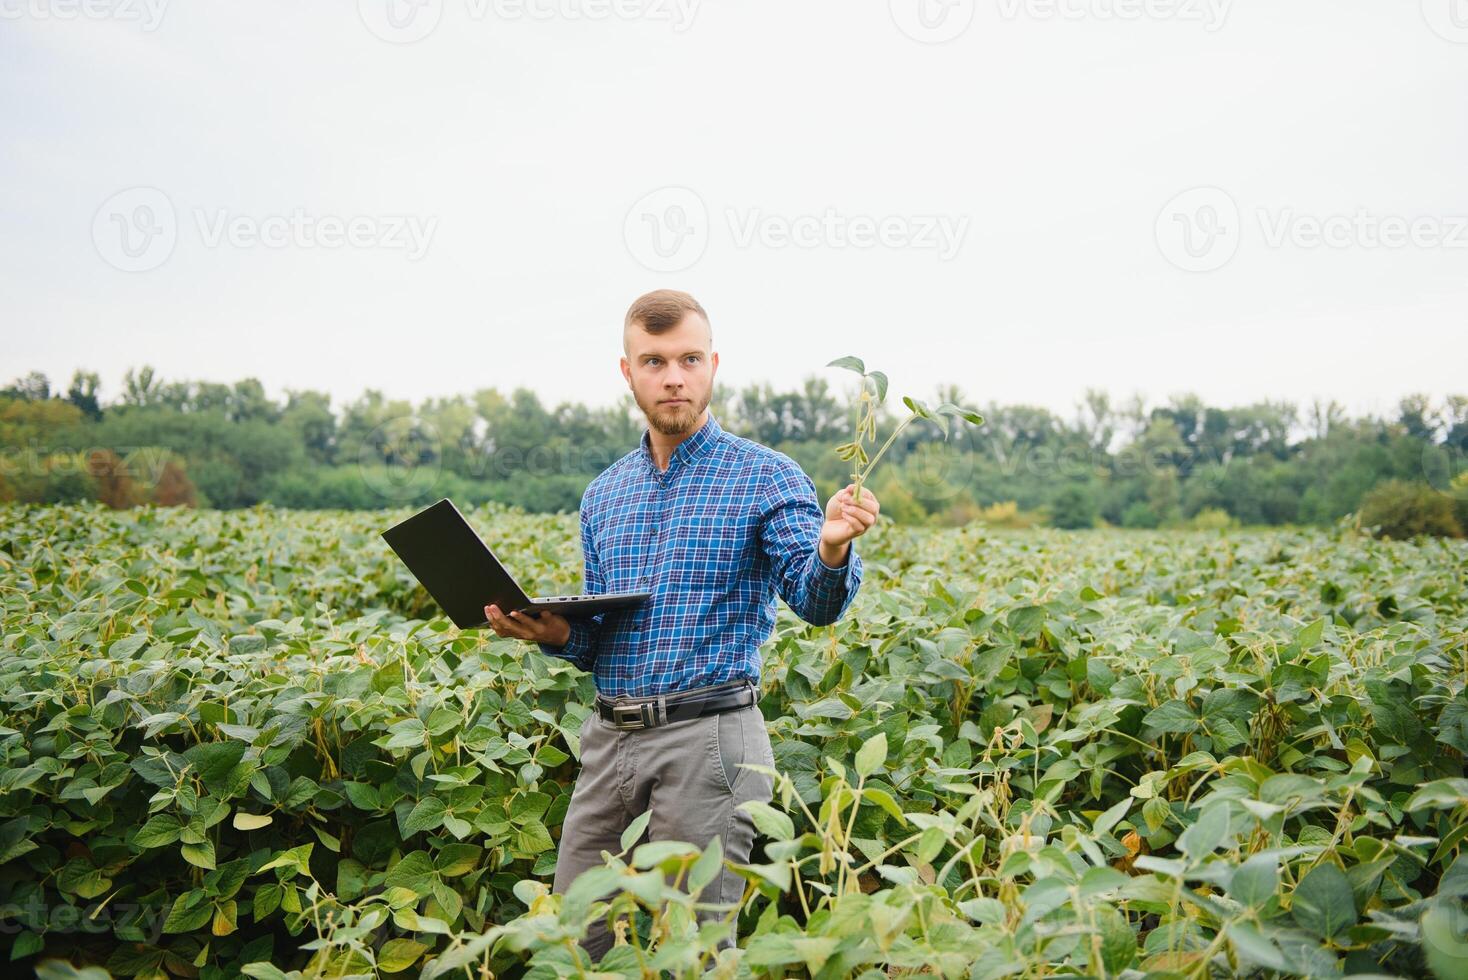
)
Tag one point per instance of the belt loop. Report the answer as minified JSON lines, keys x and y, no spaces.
{"x":661,"y":709}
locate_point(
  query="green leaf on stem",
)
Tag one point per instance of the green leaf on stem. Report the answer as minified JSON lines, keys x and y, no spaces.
{"x":634,"y":830}
{"x":870,"y":756}
{"x":1322,"y":902}
{"x":959,"y":412}
{"x":879,"y":380}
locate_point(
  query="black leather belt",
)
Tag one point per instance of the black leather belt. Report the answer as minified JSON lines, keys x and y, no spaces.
{"x":630,"y":714}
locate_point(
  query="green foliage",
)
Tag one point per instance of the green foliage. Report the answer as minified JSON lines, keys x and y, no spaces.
{"x":1399,"y":509}
{"x":1213,"y":519}
{"x":1006,"y":514}
{"x":1458,"y":489}
{"x":898,"y":503}
{"x":67,"y":481}
{"x":870,"y":397}
{"x":235,"y":447}
{"x":238,"y":739}
{"x":1074,"y":507}
{"x":1139,"y":514}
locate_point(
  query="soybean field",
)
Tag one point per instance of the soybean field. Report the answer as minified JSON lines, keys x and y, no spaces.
{"x":247,"y":743}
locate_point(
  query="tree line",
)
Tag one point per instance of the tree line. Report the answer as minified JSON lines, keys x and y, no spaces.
{"x":1126,"y":463}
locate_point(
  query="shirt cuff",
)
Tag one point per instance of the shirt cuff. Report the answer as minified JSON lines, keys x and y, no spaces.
{"x":831,"y":587}
{"x":850,"y":547}
{"x":575,"y":649}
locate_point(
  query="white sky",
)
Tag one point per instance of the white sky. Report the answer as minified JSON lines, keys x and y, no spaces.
{"x":1051,"y":133}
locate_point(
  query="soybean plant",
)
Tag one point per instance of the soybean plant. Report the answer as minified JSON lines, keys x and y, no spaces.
{"x":873,"y":393}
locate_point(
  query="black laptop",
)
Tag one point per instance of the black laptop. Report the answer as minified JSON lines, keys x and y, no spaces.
{"x":463,"y":575}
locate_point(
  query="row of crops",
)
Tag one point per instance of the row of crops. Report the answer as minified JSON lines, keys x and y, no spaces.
{"x":244,"y":743}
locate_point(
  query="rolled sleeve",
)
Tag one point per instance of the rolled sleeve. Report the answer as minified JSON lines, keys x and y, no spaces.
{"x":582,"y":646}
{"x":791,"y":519}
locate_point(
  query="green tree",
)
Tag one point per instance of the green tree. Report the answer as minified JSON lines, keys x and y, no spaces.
{"x":34,"y":387}
{"x":1403,"y":509}
{"x":83,"y":393}
{"x":308,"y":414}
{"x":1074,"y":506}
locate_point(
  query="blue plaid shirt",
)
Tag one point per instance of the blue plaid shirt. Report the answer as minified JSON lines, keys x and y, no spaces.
{"x":713,"y":538}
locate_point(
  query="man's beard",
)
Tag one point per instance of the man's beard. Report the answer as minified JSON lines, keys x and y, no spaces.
{"x":673,"y":420}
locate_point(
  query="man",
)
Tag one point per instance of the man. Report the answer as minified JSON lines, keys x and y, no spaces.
{"x":713,"y":525}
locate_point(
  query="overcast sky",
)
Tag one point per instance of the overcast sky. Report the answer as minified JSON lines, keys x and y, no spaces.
{"x":1026,"y":198}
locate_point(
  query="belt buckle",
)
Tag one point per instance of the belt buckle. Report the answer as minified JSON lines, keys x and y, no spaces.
{"x":620,"y":712}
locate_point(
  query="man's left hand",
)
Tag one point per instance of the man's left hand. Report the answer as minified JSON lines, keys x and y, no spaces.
{"x":847,"y":517}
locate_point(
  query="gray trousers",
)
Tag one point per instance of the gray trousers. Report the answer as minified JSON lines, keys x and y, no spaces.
{"x":687,"y":773}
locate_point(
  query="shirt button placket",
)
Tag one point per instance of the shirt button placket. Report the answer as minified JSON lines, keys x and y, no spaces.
{"x":655,"y":530}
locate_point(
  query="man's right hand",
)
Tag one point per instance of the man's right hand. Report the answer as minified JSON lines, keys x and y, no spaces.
{"x":547,"y":628}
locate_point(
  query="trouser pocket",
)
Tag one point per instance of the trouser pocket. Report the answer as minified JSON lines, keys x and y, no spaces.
{"x":731,"y":739}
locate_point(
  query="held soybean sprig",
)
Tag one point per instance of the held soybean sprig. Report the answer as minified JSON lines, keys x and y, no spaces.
{"x":873,"y":393}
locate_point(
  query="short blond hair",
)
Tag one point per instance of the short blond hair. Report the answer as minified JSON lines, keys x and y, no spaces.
{"x":661,"y":310}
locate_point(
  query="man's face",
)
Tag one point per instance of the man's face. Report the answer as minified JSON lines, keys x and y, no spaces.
{"x":671,"y":374}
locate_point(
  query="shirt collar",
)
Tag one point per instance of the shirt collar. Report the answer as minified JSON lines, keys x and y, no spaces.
{"x":686,"y":451}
